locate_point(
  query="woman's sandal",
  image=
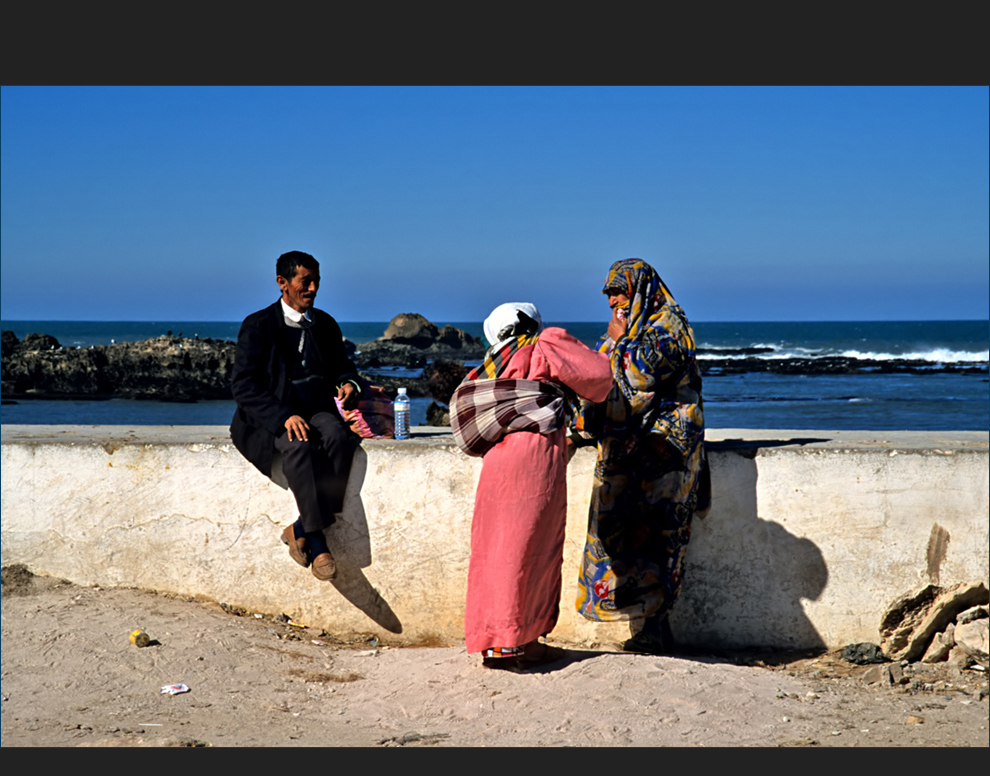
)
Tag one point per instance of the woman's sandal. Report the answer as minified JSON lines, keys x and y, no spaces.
{"x":535,"y":655}
{"x":500,"y":663}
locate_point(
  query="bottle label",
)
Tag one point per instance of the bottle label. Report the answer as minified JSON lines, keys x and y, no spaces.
{"x":401,"y":412}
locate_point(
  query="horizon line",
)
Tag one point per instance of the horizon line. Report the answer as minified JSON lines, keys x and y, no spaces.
{"x":481,"y":320}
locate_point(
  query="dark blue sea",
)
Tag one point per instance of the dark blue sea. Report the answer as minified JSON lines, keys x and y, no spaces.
{"x":928,"y":399}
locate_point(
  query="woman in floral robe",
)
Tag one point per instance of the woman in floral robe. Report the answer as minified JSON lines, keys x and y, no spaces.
{"x":649,"y":476}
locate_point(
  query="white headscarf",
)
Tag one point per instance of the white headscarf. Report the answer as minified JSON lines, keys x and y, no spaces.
{"x":502,"y":323}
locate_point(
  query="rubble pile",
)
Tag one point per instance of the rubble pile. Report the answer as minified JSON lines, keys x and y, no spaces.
{"x":933,"y":624}
{"x":926,"y":629}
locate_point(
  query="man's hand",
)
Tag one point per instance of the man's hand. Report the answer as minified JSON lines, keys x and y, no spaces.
{"x":618,"y":325}
{"x":348,"y":395}
{"x":571,"y":449}
{"x":297,"y":429}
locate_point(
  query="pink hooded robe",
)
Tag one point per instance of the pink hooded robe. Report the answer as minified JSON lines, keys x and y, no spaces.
{"x":520,"y":507}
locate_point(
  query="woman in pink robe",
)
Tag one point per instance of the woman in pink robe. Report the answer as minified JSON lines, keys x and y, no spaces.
{"x":520,"y":508}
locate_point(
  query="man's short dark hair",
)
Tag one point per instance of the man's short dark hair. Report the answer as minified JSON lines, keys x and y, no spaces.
{"x":287,"y":263}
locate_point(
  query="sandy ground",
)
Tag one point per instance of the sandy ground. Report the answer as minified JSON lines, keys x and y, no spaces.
{"x":70,"y":677}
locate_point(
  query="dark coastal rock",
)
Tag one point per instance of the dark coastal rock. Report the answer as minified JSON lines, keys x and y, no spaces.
{"x":8,"y":344}
{"x":378,"y":353}
{"x":437,"y":415}
{"x":831,"y":365}
{"x":411,"y":340}
{"x":414,"y":386}
{"x":460,"y":340}
{"x":40,"y":343}
{"x":442,"y":378}
{"x":163,"y":368}
{"x":173,"y":369}
{"x":411,"y":329}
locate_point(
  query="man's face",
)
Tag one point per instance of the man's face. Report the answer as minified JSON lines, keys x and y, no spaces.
{"x":300,"y":292}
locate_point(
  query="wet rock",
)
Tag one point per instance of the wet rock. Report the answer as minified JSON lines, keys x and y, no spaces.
{"x":863,"y":654}
{"x":8,"y":343}
{"x":391,"y":384}
{"x":437,"y":415}
{"x":832,"y":365}
{"x":40,"y":342}
{"x":911,"y":622}
{"x":458,"y":339}
{"x":163,"y":368}
{"x":378,"y":353}
{"x":442,"y":378}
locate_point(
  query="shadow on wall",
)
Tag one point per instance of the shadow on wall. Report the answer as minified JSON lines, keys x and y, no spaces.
{"x":749,"y":576}
{"x":350,"y":542}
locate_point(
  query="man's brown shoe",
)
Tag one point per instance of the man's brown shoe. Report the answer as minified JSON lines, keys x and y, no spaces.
{"x":297,"y":547}
{"x":324,"y":567}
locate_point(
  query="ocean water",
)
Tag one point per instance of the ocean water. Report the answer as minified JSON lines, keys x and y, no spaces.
{"x":935,"y":401}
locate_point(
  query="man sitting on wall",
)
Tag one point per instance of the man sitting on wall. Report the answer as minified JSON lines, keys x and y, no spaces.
{"x":289,"y":365}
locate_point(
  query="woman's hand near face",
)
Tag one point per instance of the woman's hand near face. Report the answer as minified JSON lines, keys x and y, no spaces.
{"x":619,"y":303}
{"x":618,"y":325}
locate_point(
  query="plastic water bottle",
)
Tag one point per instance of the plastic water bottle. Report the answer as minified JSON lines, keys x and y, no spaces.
{"x":400,"y":408}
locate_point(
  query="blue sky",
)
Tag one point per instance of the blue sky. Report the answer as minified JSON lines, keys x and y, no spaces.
{"x":783,"y":203}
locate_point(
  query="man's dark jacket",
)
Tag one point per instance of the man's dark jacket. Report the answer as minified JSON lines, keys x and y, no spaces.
{"x":262,"y":364}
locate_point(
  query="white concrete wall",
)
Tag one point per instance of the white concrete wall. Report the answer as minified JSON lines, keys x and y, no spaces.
{"x":811,"y":535}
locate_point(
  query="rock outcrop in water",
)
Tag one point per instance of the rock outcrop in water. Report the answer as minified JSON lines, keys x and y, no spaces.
{"x":411,"y":341}
{"x":183,"y":370}
{"x":163,"y":368}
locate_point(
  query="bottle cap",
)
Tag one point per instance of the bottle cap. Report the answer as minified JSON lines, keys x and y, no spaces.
{"x":402,"y":391}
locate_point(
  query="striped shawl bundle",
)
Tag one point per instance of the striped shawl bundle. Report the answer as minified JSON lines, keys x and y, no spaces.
{"x":483,"y":411}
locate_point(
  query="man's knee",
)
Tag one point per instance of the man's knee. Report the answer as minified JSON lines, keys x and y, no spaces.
{"x":296,"y":452}
{"x":333,"y":430}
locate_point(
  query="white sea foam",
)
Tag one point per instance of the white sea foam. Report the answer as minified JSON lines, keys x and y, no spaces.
{"x":935,"y":355}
